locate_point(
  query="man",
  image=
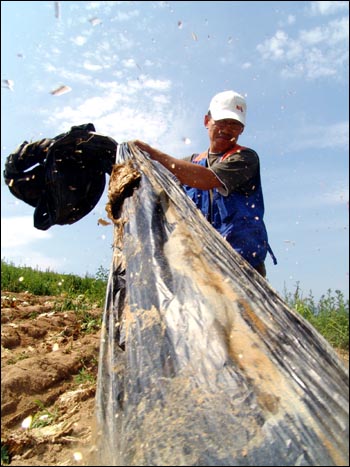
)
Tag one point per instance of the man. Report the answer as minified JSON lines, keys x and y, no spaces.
{"x":224,"y":181}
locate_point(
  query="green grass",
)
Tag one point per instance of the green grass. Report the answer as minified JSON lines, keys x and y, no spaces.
{"x":329,"y":315}
{"x":85,"y":376}
{"x":43,"y":417}
{"x":75,"y":289}
{"x":79,"y":294}
{"x":5,"y":458}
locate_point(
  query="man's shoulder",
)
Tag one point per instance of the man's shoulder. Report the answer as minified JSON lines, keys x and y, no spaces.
{"x":248,"y":151}
{"x":243,"y":152}
{"x":189,"y":158}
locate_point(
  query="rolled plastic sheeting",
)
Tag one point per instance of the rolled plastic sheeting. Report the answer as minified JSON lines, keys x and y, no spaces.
{"x":201,"y":362}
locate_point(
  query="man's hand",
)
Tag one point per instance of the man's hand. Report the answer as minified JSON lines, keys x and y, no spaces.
{"x":193,"y":175}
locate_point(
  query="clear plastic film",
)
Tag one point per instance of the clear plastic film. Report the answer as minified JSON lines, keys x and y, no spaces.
{"x":201,"y":362}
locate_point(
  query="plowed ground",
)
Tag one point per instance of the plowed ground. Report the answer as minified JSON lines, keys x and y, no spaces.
{"x":49,"y":362}
{"x":49,"y":359}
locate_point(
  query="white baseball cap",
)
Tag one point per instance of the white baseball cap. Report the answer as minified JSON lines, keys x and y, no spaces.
{"x":228,"y":104}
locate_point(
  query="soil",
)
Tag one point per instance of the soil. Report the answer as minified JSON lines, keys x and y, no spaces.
{"x":49,"y":360}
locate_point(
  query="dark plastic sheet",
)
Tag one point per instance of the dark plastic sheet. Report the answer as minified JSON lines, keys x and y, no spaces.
{"x":201,"y":362}
{"x":64,"y":177}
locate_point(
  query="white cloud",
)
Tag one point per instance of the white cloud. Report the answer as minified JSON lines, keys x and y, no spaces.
{"x":286,"y":21}
{"x":49,"y":67}
{"x":334,"y":136}
{"x":246,"y":65}
{"x":91,"y":108}
{"x":157,"y":84}
{"x":129,"y":123}
{"x":274,"y":48}
{"x":336,"y":197}
{"x":79,"y":40}
{"x":328,"y":8}
{"x":161,"y":99}
{"x":125,"y":16}
{"x":134,"y":109}
{"x":94,"y":5}
{"x":35,"y":260}
{"x":317,"y":52}
{"x":306,"y":136}
{"x":313,"y":36}
{"x":124,"y":42}
{"x":91,"y":67}
{"x":21,"y":244}
{"x":129,"y":63}
{"x":19,"y":231}
{"x":81,"y":78}
{"x":98,"y":5}
{"x":336,"y":32}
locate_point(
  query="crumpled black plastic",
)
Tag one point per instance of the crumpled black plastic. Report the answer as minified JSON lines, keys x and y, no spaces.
{"x":64,"y":177}
{"x":201,"y":362}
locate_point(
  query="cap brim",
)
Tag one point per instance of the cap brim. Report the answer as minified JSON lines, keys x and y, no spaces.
{"x":223,"y":114}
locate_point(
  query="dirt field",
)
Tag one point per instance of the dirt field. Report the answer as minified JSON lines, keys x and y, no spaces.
{"x":48,"y":373}
{"x":49,"y":368}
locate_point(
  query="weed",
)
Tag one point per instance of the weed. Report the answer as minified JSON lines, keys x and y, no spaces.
{"x":17,"y":358}
{"x":5,"y":457}
{"x":44,"y":417}
{"x":84,"y":376}
{"x":89,"y":323}
{"x":330,"y":316}
{"x":21,"y":279}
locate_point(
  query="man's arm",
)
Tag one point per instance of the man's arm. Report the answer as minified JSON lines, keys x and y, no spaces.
{"x":193,"y":175}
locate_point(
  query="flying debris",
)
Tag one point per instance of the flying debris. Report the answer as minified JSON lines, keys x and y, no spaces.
{"x":103,"y":222}
{"x":186,"y":140}
{"x":179,"y":24}
{"x":194,"y":36}
{"x":292,"y":242}
{"x":57,"y":10}
{"x":8,"y":84}
{"x":27,"y":422}
{"x":61,"y":90}
{"x":78,"y":456}
{"x":95,"y":21}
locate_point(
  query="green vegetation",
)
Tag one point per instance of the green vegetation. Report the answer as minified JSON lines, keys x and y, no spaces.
{"x":85,"y":376}
{"x":88,"y":371}
{"x":44,"y":417}
{"x":76,"y":291}
{"x":17,"y":358}
{"x":330,"y":315}
{"x":71,"y":292}
{"x":5,"y":458}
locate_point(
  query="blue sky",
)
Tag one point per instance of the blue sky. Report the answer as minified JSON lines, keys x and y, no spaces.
{"x":147,"y":70}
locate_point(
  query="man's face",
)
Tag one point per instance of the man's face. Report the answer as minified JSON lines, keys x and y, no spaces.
{"x":223,"y":134}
